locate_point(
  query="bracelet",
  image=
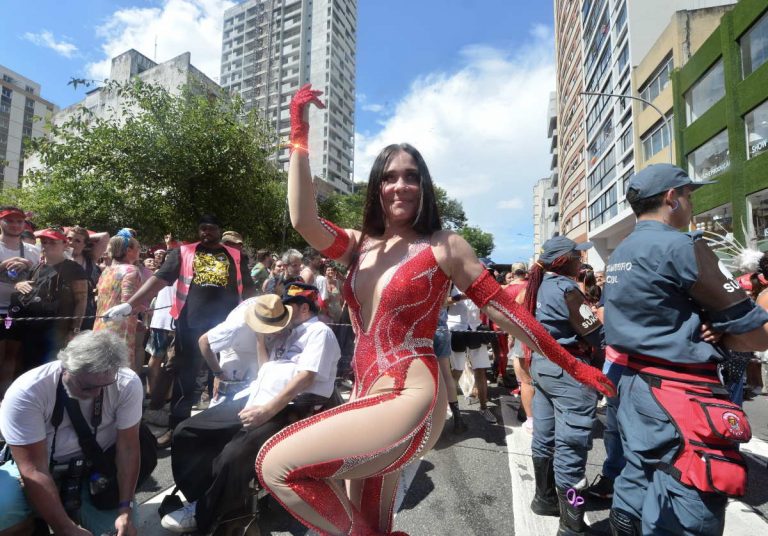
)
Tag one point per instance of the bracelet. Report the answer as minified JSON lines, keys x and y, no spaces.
{"x":125,"y":504}
{"x":217,"y":374}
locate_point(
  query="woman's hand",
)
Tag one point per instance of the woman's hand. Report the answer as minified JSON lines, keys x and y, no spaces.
{"x":299,"y":114}
{"x":24,"y":287}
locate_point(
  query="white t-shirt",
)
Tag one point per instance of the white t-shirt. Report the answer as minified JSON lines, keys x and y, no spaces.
{"x":161,"y":318}
{"x":26,"y":411}
{"x":235,"y":343}
{"x":31,"y":253}
{"x":311,"y":346}
{"x":463,"y":314}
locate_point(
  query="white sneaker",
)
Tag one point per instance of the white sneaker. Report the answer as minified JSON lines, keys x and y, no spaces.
{"x":488,"y":415}
{"x":181,"y":521}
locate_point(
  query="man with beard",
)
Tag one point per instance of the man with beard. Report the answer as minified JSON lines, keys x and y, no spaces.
{"x":209,"y":284}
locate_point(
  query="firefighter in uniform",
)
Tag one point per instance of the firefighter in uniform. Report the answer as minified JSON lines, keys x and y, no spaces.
{"x":563,"y":409}
{"x":679,"y":430}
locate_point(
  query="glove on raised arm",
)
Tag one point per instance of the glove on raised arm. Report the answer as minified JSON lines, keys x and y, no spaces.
{"x":486,"y":291}
{"x":299,"y":127}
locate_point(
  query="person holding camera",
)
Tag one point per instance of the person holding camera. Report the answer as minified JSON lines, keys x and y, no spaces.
{"x":73,"y":434}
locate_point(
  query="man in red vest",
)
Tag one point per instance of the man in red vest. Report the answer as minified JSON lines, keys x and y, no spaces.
{"x":209,"y":284}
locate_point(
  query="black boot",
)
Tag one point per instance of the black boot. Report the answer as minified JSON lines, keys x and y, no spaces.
{"x":459,"y":426}
{"x":571,"y":515}
{"x":623,"y":523}
{"x":544,"y":503}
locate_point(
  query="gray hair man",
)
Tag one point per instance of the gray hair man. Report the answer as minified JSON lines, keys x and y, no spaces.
{"x":91,"y":373}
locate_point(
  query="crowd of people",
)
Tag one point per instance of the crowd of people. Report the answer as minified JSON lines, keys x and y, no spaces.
{"x":102,"y":335}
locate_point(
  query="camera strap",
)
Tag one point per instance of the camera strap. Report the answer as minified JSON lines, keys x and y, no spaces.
{"x":85,"y":436}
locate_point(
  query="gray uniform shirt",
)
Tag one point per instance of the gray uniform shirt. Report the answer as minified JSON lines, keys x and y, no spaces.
{"x":649,"y":309}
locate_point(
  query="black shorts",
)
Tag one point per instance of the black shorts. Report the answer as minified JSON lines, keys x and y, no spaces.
{"x":461,"y":341}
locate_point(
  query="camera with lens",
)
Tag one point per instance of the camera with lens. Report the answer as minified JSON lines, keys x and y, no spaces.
{"x":71,"y":485}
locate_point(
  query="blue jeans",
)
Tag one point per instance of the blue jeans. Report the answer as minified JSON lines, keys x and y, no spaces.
{"x":14,"y":507}
{"x":614,"y":452}
{"x":563,"y":416}
{"x":664,"y":505}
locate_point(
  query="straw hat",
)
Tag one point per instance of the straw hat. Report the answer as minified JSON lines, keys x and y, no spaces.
{"x":267,"y":314}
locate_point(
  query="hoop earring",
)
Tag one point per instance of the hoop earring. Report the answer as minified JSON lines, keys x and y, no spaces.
{"x":676,"y":205}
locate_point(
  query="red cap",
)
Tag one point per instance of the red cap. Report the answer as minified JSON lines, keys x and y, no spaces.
{"x":53,"y":234}
{"x":12,"y":212}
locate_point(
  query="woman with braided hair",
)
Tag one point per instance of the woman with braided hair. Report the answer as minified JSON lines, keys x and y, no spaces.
{"x":400,"y":266}
{"x":563,"y":408}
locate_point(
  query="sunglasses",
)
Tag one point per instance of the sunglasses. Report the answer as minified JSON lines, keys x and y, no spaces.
{"x":88,"y":387}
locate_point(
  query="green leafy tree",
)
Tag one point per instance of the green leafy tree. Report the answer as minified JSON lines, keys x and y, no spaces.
{"x":158,"y":162}
{"x":480,"y":241}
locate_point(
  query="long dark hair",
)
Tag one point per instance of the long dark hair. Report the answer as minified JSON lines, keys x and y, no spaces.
{"x":427,"y":218}
{"x":591,"y":290}
{"x":757,"y":284}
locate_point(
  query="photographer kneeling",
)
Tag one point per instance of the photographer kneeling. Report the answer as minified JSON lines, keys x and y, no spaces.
{"x":74,"y":435}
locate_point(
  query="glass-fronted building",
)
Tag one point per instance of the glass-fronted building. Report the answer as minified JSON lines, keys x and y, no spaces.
{"x":722,"y":94}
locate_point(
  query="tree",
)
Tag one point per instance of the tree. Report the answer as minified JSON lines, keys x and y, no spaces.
{"x":480,"y":241}
{"x":158,"y":162}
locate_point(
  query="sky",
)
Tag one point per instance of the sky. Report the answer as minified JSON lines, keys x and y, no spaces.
{"x":466,"y":82}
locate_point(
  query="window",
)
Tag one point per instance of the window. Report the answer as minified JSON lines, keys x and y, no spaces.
{"x":706,"y":92}
{"x":718,"y":220}
{"x":658,"y":81}
{"x":756,"y":122}
{"x":758,"y":206}
{"x":603,"y":173}
{"x":754,"y":46}
{"x":656,"y":139}
{"x":710,"y":159}
{"x":603,"y":209}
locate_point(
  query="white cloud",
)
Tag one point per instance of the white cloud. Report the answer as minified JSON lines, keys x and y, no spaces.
{"x":374,"y":108}
{"x":516,"y":203}
{"x":482,"y":131}
{"x":178,"y":25}
{"x":47,"y":40}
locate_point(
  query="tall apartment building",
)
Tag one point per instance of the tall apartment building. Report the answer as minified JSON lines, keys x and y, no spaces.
{"x":20,"y":105}
{"x":616,"y":36}
{"x":554,"y":165}
{"x":544,"y":225}
{"x":570,"y":120}
{"x":270,"y":48}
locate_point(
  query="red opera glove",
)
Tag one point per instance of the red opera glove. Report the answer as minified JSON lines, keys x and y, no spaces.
{"x":299,"y":126}
{"x":485,"y":291}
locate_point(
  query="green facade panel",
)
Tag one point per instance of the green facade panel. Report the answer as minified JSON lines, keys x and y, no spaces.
{"x":743,"y":176}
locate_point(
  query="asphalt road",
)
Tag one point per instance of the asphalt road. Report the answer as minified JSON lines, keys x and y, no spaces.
{"x":481,"y":484}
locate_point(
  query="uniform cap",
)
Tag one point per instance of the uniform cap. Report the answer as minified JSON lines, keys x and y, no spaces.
{"x":558,"y":246}
{"x":658,"y":178}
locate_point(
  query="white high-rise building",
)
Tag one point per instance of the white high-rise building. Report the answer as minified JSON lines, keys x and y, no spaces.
{"x":270,"y":48}
{"x":20,"y":105}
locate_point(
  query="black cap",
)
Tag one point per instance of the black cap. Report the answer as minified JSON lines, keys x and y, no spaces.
{"x":300,"y":293}
{"x":558,"y":246}
{"x":210,"y":219}
{"x":659,"y":178}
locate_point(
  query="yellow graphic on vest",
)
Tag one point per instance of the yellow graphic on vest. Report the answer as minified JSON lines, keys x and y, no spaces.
{"x":210,"y":269}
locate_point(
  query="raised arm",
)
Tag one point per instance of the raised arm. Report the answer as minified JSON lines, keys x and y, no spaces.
{"x":458,"y":260}
{"x":321,"y":235}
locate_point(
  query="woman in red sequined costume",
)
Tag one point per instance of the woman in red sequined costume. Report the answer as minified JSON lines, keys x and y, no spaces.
{"x":400,"y":266}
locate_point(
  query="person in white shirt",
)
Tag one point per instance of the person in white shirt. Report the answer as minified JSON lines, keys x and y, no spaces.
{"x":236,"y":345}
{"x":92,"y":370}
{"x":214,"y":453}
{"x":463,"y":317}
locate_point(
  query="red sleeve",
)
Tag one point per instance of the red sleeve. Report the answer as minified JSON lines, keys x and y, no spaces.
{"x":340,"y":240}
{"x":485,"y":291}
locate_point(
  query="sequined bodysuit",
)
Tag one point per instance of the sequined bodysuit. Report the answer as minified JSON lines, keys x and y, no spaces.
{"x":401,"y":331}
{"x":404,"y":323}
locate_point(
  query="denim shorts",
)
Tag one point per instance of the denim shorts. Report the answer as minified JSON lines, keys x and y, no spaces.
{"x":442,"y":342}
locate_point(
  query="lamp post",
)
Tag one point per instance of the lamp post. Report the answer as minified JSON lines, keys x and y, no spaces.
{"x":663,"y":117}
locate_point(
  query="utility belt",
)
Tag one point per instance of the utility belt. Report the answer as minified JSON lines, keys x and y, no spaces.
{"x":710,"y":426}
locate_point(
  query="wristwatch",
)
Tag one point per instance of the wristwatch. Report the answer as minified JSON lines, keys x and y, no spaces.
{"x":126,"y":504}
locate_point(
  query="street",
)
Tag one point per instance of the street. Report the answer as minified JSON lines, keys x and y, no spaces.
{"x":482,"y":483}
